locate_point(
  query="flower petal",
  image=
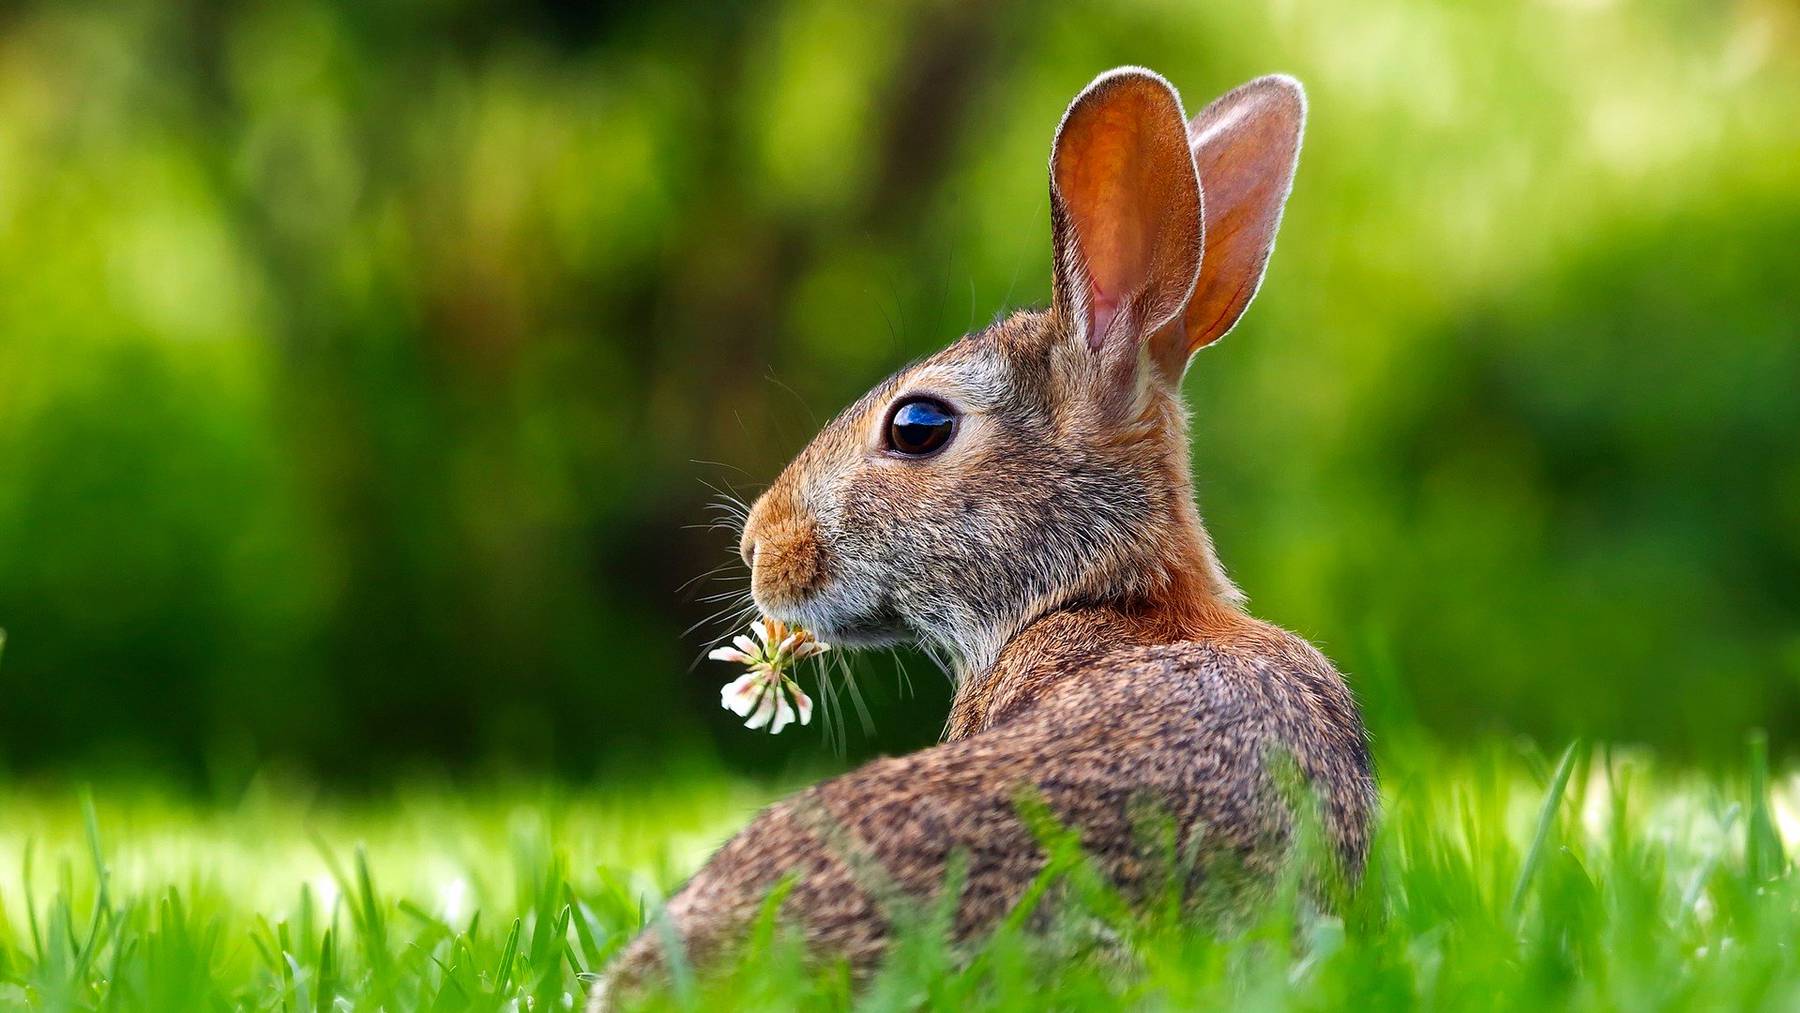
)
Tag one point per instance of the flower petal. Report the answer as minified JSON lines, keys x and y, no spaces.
{"x":731,"y":654}
{"x":741,"y":693}
{"x":810,"y":648}
{"x":764,"y":630}
{"x":746,"y":645}
{"x":784,"y":715}
{"x":804,"y":702}
{"x":765,"y":709}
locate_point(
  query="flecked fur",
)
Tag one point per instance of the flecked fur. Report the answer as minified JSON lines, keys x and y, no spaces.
{"x":1054,"y":554}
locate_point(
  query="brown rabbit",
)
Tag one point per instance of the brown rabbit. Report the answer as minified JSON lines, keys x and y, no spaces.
{"x":1021,"y":502}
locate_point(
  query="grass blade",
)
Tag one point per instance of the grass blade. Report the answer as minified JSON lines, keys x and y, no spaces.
{"x":503,"y":975}
{"x":1763,"y":854}
{"x":1546,"y":817}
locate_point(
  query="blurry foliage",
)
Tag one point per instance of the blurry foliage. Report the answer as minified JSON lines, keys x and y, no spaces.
{"x":359,"y":364}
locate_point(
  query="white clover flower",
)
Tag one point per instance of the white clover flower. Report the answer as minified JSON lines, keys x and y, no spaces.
{"x":761,"y":696}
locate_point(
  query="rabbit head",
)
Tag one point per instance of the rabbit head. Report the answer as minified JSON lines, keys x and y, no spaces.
{"x":1043,"y":462}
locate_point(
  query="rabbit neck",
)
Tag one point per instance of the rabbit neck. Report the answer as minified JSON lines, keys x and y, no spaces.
{"x":1184,"y":605}
{"x":1170,"y":588}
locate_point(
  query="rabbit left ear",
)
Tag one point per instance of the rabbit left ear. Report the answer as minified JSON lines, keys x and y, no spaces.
{"x":1124,"y":214}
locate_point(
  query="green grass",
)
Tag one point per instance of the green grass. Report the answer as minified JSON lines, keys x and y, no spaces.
{"x":1500,"y":879}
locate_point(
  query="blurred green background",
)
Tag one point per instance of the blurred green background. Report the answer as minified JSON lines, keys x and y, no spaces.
{"x":365,"y":371}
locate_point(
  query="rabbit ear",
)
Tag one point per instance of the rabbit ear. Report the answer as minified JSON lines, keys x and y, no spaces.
{"x":1246,"y":145}
{"x":1124,"y":214}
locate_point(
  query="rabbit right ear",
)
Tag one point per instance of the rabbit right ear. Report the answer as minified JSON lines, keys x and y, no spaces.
{"x":1246,"y":147}
{"x":1124,"y":217}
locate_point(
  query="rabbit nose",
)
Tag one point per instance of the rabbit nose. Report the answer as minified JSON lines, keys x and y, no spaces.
{"x":747,"y":549}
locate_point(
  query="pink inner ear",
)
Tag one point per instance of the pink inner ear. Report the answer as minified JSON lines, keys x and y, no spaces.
{"x":1102,"y":308}
{"x":1127,"y":208}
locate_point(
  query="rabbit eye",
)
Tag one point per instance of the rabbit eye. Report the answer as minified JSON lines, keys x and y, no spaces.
{"x":919,"y":427}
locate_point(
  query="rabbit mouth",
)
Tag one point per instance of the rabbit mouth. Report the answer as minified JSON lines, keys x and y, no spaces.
{"x":843,"y":624}
{"x":871,"y":635}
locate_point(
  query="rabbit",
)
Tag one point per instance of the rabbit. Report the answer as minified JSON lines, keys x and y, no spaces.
{"x":1021,"y":502}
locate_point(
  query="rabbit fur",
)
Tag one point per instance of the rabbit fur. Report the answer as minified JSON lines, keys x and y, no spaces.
{"x":1053,"y":551}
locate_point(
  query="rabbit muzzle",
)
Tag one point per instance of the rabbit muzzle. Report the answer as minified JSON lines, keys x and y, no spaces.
{"x":781,"y":545}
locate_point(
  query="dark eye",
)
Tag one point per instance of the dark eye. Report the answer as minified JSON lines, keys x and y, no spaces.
{"x":920,"y":427}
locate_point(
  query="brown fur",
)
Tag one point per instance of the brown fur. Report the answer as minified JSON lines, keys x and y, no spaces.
{"x":786,"y":560}
{"x":1053,"y":552}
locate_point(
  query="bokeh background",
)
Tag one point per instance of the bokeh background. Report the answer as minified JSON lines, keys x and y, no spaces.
{"x":366,"y":370}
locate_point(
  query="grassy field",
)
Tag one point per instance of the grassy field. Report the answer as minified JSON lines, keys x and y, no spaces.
{"x":1502,"y":878}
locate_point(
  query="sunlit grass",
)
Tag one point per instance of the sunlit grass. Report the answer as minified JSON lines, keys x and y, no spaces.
{"x":1499,"y":879}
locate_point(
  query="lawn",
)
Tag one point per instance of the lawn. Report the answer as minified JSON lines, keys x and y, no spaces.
{"x":1502,"y":878}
